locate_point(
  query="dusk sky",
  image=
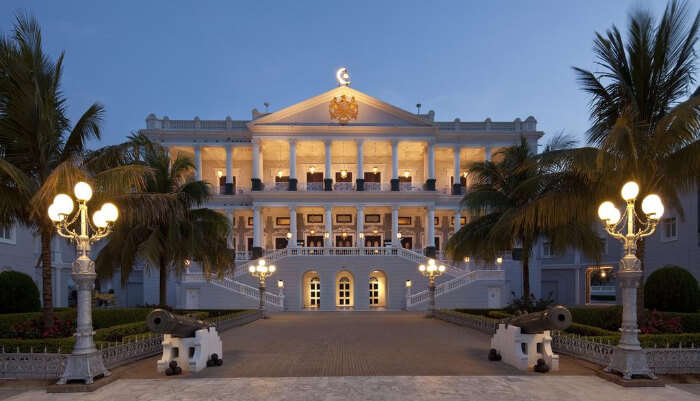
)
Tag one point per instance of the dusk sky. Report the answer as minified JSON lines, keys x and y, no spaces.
{"x":472,"y":60}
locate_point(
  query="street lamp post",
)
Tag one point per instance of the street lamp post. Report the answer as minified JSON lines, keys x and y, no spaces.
{"x":431,"y":271}
{"x":628,"y":357}
{"x":85,"y":362}
{"x":262,"y":272}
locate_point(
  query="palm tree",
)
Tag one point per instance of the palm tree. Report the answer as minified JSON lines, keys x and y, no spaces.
{"x":188,"y":233}
{"x":515,"y":201}
{"x":42,"y":153}
{"x":644,"y":126}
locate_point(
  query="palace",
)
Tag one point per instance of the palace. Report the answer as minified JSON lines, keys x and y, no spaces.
{"x":346,"y":195}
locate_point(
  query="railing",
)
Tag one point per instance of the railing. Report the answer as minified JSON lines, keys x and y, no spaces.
{"x":237,"y":287}
{"x":314,"y":186}
{"x":589,"y":350}
{"x":343,"y":187}
{"x":50,"y":366}
{"x":456,"y":283}
{"x":603,"y":290}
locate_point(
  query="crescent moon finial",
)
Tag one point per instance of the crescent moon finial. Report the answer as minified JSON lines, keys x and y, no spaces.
{"x":343,"y":76}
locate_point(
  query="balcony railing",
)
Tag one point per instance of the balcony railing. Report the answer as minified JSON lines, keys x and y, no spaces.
{"x":337,"y":187}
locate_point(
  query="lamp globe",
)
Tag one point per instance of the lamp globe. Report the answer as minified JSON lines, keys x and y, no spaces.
{"x":99,"y":219}
{"x":64,"y":204}
{"x":83,"y":191}
{"x":630,"y":191}
{"x":653,"y":207}
{"x":53,"y":213}
{"x":110,"y":212}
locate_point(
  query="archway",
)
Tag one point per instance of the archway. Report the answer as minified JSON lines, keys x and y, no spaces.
{"x":377,"y":289}
{"x":311,"y":289}
{"x":344,"y":289}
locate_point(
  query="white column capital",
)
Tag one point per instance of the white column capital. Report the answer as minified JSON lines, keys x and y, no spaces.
{"x":292,"y":141}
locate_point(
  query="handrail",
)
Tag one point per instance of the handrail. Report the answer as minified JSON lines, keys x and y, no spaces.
{"x":238,"y":287}
{"x":456,"y":283}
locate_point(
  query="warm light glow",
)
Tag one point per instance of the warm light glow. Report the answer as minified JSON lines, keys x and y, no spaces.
{"x":608,"y":213}
{"x":53,"y":213}
{"x":326,"y":235}
{"x":110,"y":212}
{"x":98,"y":219}
{"x":603,"y":274}
{"x":219,"y":173}
{"x":375,"y":231}
{"x":398,"y":235}
{"x":630,"y":191}
{"x":361,"y":235}
{"x":342,"y":76}
{"x":408,"y":283}
{"x":312,"y":170}
{"x":343,"y":173}
{"x":83,"y":191}
{"x":261,"y":262}
{"x":465,"y":174}
{"x":466,"y":259}
{"x":432,"y":268}
{"x":653,"y":207}
{"x":273,"y":268}
{"x":421,"y":268}
{"x":251,"y":269}
{"x":187,"y":262}
{"x":280,"y":283}
{"x":64,"y":204}
{"x":375,"y":170}
{"x":441,"y":268}
{"x":406,"y":173}
{"x":431,"y":262}
{"x":289,"y":235}
{"x":499,"y":260}
{"x":280,"y":173}
{"x":313,"y":232}
{"x":344,"y":235}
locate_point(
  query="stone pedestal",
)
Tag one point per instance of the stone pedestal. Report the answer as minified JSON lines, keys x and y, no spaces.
{"x":85,"y":367}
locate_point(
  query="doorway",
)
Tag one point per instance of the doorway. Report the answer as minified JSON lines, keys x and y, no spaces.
{"x":373,"y":241}
{"x":344,"y":290}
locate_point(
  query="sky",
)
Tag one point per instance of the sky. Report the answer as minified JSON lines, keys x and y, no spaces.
{"x":463,"y":59}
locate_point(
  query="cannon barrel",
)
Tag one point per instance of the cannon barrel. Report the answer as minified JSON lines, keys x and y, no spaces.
{"x":163,"y":322}
{"x":554,"y":318}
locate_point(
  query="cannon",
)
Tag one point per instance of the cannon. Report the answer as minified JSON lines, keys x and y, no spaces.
{"x":525,"y":342}
{"x":188,"y":343}
{"x":163,"y":322}
{"x":555,"y":318}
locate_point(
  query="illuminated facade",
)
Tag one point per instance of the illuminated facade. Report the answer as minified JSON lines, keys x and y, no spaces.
{"x":346,"y":194}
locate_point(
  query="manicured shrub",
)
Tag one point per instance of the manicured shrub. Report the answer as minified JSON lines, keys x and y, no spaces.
{"x":117,"y":333}
{"x":604,"y":317}
{"x":671,"y":289}
{"x":36,"y":329}
{"x":102,"y":318}
{"x":18,"y":293}
{"x":585,"y":330}
{"x":49,"y":344}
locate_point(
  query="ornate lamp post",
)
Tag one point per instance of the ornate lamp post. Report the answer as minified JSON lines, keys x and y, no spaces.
{"x":628,"y":357}
{"x":431,"y":271}
{"x":86,"y":361}
{"x":262,"y":272}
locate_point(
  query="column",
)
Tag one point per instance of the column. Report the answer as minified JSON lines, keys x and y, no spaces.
{"x":293,"y":227}
{"x":197,"y":162}
{"x":231,"y":215}
{"x":229,"y":170}
{"x":430,"y":182}
{"x":360,"y":226}
{"x":457,"y":185}
{"x":430,"y":225}
{"x":458,"y":218}
{"x":293,"y":165}
{"x":360,"y":179}
{"x":395,"y":226}
{"x":328,"y":178}
{"x":328,"y":221}
{"x":487,"y":153}
{"x":257,"y":232}
{"x":256,"y":183}
{"x":394,"y":165}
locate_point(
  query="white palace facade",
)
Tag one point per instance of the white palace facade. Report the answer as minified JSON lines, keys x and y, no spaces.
{"x":346,"y":195}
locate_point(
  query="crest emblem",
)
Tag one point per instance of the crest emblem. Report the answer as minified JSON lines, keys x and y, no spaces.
{"x":343,"y":109}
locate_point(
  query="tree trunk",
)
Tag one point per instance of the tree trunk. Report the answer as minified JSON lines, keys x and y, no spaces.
{"x":526,"y":273}
{"x":46,"y":278}
{"x":641,"y":315}
{"x":163,"y":280}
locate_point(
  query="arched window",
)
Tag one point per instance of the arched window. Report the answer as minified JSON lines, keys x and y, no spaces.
{"x":344,"y":291}
{"x":373,"y":291}
{"x":315,"y":292}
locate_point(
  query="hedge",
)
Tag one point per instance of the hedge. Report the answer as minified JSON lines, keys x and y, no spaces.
{"x":7,"y":321}
{"x":586,"y":330}
{"x":604,"y":317}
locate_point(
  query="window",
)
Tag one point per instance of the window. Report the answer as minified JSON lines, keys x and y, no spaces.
{"x":282,"y":221}
{"x":7,"y":234}
{"x":314,"y":218}
{"x":404,"y":220}
{"x":315,"y":292}
{"x":669,"y":229}
{"x":250,"y":221}
{"x":344,"y":292}
{"x":372,"y":219}
{"x":373,"y":291}
{"x":546,"y":249}
{"x":343,"y":218}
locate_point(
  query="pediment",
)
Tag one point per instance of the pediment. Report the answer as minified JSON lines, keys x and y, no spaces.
{"x":371,"y":112}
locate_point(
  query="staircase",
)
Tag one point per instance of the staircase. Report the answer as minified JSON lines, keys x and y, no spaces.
{"x":237,"y":287}
{"x":496,"y":274}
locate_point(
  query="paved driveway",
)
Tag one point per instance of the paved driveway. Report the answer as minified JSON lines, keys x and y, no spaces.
{"x":353,"y":344}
